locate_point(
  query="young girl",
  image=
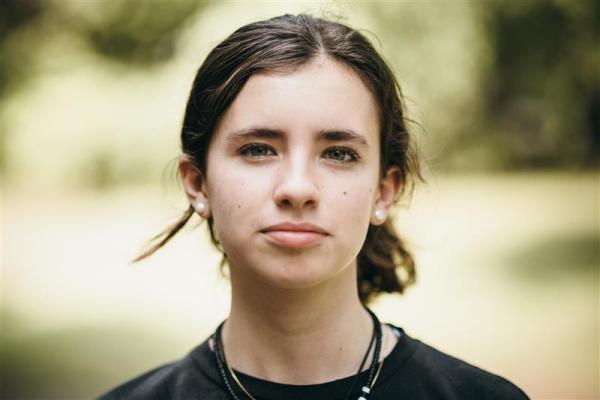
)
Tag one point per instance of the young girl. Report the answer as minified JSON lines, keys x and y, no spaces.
{"x":295,"y":149}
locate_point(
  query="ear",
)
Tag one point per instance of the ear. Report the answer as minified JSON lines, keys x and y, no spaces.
{"x":387,"y":191}
{"x":194,"y":185}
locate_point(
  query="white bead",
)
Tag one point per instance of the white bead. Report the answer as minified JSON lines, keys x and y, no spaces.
{"x":361,"y":398}
{"x":200,"y":206}
{"x":365,"y":389}
{"x":379,"y":214}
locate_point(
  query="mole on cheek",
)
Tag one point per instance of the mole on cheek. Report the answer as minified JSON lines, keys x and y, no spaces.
{"x":345,"y":193}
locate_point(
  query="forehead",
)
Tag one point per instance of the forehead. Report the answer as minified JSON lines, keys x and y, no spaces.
{"x":322,"y":95}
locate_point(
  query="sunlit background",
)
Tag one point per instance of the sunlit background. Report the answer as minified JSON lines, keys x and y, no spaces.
{"x":506,"y":102}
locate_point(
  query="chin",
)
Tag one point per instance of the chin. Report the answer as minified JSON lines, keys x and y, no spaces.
{"x":295,"y":270}
{"x":293,"y":276}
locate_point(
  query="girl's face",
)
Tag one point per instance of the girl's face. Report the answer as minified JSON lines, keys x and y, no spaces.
{"x":297,"y":148}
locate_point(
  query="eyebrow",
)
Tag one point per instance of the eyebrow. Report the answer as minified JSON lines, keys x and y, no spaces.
{"x":332,"y":135}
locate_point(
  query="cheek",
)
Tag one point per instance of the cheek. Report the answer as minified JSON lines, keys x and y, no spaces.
{"x":351,"y":204}
{"x":234,"y":201}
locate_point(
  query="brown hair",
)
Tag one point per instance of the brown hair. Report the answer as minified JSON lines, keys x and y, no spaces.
{"x":285,"y":43}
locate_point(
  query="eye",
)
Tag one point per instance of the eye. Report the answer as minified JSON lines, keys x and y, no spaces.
{"x":342,"y":154}
{"x":256,"y":150}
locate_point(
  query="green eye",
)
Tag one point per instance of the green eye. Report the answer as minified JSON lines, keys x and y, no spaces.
{"x":256,"y":150}
{"x":342,"y":154}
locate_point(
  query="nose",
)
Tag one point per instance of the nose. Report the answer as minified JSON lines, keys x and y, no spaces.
{"x":296,"y":185}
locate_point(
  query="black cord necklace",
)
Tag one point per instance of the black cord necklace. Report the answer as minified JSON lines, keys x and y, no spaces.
{"x":226,"y":371}
{"x":362,"y":363}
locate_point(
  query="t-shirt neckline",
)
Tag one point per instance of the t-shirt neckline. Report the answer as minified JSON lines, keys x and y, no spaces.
{"x":337,"y":389}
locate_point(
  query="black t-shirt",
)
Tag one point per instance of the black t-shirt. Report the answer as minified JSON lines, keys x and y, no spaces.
{"x":412,"y":371}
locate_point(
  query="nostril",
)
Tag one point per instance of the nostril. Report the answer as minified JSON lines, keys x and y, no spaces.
{"x":296,"y":190}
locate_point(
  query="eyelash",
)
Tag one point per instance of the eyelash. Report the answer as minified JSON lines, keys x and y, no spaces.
{"x":353,"y":155}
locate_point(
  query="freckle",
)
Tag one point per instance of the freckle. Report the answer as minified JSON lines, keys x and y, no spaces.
{"x":341,"y":348}
{"x":370,"y":190}
{"x":345,"y":193}
{"x":239,"y":206}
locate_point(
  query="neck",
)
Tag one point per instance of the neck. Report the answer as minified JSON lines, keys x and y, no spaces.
{"x":297,"y":336}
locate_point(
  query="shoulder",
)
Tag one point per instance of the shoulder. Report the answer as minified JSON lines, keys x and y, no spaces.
{"x":151,"y":384}
{"x":435,"y":368}
{"x":175,"y":380}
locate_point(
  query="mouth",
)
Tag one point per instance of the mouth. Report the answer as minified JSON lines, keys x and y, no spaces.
{"x":294,"y":239}
{"x":295,"y":236}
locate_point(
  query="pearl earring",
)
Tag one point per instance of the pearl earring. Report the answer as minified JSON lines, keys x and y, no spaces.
{"x":200,"y":207}
{"x":379,"y":214}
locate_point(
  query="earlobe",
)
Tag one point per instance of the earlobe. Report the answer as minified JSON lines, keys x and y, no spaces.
{"x":194,"y":185}
{"x":389,"y":188}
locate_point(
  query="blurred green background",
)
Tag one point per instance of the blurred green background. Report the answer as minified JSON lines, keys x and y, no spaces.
{"x":505,"y":98}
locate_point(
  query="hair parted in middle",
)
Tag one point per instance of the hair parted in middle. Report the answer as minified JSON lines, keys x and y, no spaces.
{"x":282,"y":45}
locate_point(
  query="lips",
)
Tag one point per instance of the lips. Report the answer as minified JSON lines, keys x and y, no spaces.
{"x":295,"y":236}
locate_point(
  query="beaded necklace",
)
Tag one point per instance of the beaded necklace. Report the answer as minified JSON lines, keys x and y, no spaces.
{"x":225,"y":370}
